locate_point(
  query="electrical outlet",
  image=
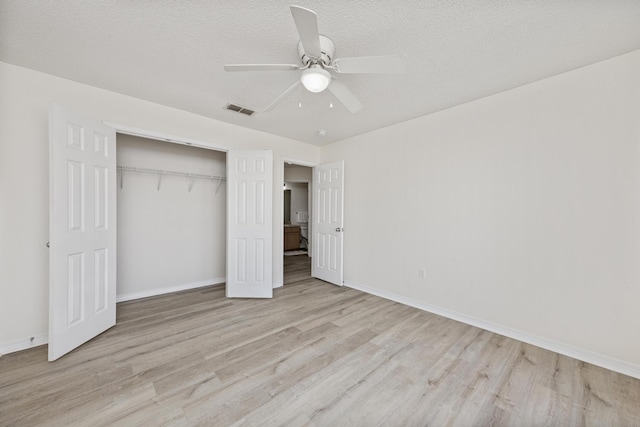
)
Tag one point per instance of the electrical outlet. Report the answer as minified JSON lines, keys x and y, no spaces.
{"x":421,"y":274}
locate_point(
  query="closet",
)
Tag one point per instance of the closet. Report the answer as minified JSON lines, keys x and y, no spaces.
{"x":171,"y":217}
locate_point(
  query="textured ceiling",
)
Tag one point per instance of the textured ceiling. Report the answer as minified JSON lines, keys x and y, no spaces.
{"x":173,"y":52}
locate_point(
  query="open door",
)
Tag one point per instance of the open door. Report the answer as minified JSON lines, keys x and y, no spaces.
{"x":82,"y":229}
{"x":328,"y":201}
{"x":249,"y":224}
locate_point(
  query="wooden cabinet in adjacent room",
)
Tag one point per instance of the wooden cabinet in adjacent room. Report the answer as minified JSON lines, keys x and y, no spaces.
{"x":291,"y":237}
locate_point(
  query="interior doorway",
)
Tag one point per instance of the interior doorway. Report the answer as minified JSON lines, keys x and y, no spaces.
{"x":297,"y":240}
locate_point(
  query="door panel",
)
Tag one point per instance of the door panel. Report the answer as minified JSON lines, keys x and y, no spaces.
{"x":249,"y":225}
{"x":82,"y":268}
{"x":328,"y":222}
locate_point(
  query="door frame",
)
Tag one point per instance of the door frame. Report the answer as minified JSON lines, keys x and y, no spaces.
{"x":174,"y":139}
{"x":161,"y":136}
{"x":278,"y":279}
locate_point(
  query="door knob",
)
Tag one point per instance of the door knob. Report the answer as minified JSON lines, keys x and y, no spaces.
{"x":339,"y":229}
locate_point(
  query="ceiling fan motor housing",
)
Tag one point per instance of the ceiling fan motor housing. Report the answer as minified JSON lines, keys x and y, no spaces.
{"x":327,"y":51}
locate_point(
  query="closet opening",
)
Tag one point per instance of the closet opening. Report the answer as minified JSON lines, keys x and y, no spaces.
{"x":171,"y":217}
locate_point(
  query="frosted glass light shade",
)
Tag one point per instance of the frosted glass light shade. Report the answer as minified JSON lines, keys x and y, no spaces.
{"x":315,"y":79}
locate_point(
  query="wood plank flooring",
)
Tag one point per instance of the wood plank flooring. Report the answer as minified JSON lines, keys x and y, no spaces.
{"x":314,"y":355}
{"x":296,"y":268}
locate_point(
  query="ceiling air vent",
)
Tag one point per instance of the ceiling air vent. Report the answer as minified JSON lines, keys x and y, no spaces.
{"x":239,"y":109}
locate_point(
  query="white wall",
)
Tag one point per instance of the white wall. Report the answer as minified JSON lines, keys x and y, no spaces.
{"x":169,"y":239}
{"x":523,"y":209}
{"x":24,"y":176}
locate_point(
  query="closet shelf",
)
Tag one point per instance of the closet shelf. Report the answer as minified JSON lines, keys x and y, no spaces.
{"x":161,"y":173}
{"x":173,"y":173}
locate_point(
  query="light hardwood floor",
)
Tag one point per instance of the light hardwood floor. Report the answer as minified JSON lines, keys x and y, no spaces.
{"x":296,"y":268}
{"x":315,"y":354}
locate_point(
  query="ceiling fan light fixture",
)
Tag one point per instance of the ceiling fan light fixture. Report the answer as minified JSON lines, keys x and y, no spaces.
{"x":315,"y":79}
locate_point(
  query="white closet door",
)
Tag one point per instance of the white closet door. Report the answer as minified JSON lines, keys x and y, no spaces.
{"x":82,"y":229}
{"x":249,"y":224}
{"x":328,"y":201}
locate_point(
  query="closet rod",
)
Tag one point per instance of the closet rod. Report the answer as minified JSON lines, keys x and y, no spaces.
{"x":164,"y":172}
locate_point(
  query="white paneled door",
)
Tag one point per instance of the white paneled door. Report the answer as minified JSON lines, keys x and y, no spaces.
{"x":82,"y":230}
{"x":249,"y":224}
{"x":328,"y":201}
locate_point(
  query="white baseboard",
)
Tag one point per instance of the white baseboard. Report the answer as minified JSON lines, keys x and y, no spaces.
{"x":24,"y":343}
{"x":582,"y":354}
{"x":170,"y":289}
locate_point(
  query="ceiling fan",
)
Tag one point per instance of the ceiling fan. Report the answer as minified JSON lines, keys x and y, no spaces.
{"x":317,"y":59}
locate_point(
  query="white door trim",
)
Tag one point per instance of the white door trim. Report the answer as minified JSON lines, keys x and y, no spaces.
{"x":162,"y":136}
{"x":297,"y":162}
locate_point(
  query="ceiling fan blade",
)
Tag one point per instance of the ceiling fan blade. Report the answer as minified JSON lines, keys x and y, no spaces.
{"x":261,"y":67}
{"x":282,"y":96}
{"x":345,"y":96}
{"x":371,"y":64}
{"x":307,"y":24}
